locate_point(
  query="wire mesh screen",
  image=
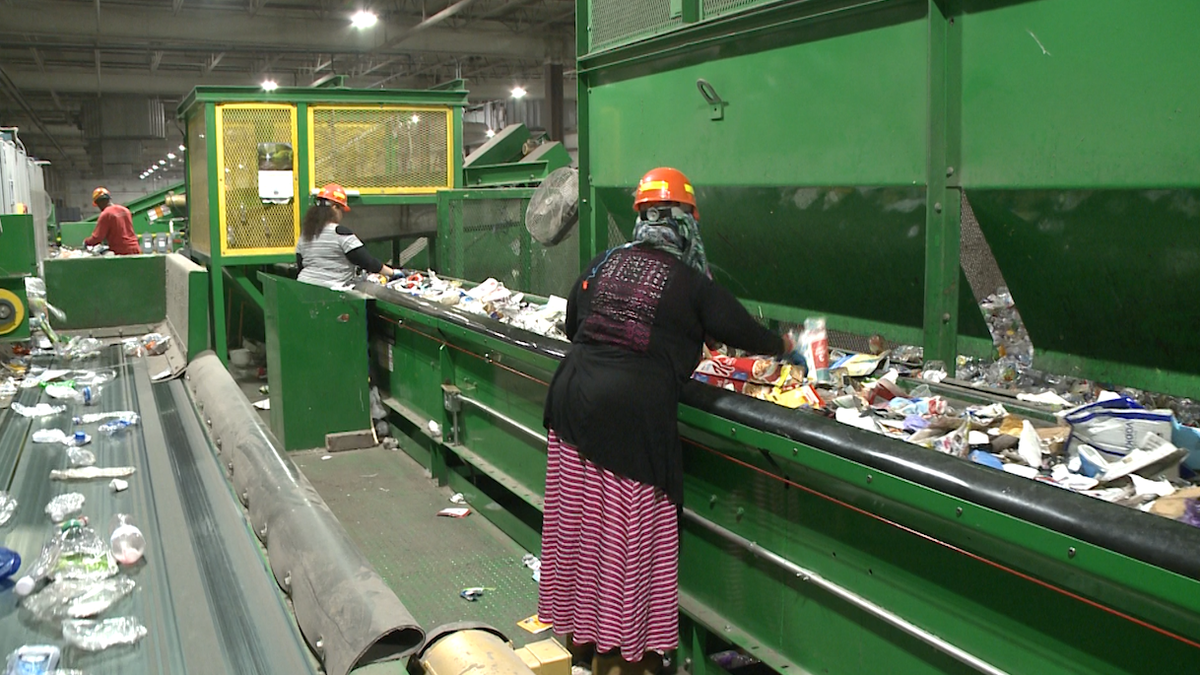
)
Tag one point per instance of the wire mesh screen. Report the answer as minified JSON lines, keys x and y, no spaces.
{"x":714,"y":8}
{"x":615,"y":22}
{"x":487,"y":238}
{"x":381,"y":150}
{"x":252,"y":225}
{"x":199,"y":229}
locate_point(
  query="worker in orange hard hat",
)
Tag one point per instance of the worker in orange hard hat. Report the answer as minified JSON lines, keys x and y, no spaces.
{"x":636,"y":318}
{"x":329,"y":253}
{"x":114,"y":226}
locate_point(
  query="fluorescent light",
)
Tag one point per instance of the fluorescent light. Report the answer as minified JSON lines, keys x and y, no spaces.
{"x":490,"y":133}
{"x":170,"y":155}
{"x":518,"y":92}
{"x":182,"y":148}
{"x":363,"y":19}
{"x":270,"y":85}
{"x":415,"y":118}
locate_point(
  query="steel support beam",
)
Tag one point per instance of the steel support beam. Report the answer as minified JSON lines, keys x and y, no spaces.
{"x":212,"y":62}
{"x":427,"y":23}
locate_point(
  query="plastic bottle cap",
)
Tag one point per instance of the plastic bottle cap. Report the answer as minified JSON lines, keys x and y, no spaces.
{"x":24,"y":585}
{"x":80,"y":436}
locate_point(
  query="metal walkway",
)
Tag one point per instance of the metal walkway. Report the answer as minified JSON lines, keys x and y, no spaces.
{"x":388,"y":505}
{"x":204,"y":590}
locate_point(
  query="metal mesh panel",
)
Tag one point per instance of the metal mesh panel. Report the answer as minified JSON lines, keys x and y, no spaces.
{"x":199,"y":229}
{"x":494,"y":240}
{"x":381,"y":150}
{"x":714,"y":8}
{"x":251,"y":226}
{"x":614,"y":22}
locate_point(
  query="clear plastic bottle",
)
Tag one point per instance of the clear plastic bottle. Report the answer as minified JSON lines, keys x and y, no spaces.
{"x":126,"y":540}
{"x":46,"y":561}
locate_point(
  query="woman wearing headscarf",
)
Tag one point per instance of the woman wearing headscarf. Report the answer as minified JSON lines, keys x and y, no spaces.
{"x":637,"y":319}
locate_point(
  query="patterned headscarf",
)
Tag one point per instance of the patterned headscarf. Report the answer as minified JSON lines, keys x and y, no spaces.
{"x":679,"y":236}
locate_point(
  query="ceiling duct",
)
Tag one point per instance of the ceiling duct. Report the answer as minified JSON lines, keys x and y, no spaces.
{"x":124,"y":118}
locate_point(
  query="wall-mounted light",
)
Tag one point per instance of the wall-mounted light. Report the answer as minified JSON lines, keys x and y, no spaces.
{"x":363,"y":19}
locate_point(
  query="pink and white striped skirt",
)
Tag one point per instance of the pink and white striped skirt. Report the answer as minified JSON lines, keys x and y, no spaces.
{"x":610,"y":558}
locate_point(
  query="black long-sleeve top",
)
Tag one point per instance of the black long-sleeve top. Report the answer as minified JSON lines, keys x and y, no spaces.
{"x":637,"y":318}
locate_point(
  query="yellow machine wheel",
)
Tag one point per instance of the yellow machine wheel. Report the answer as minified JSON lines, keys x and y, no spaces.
{"x":12,"y":311}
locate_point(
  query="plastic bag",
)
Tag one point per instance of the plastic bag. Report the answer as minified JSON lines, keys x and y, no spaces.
{"x":94,"y":636}
{"x":8,"y":505}
{"x":1116,"y":426}
{"x":64,"y":506}
{"x":78,"y":456}
{"x":49,"y":436}
{"x":74,"y":599}
{"x":133,"y":347}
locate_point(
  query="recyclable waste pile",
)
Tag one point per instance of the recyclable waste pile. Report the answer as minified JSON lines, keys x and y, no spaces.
{"x":490,"y":298}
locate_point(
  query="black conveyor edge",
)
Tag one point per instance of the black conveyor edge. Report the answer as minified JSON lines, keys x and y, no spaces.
{"x":344,"y":608}
{"x":1153,"y":539}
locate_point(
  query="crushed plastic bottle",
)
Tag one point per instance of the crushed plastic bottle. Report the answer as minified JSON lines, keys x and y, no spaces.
{"x":93,"y":378}
{"x":8,"y":506}
{"x":77,"y":599}
{"x":94,"y":636}
{"x":43,"y":567}
{"x":117,"y":425}
{"x":79,"y":348}
{"x":92,"y":418}
{"x":83,"y":555}
{"x":126,"y":539}
{"x":39,"y":410}
{"x":64,"y":506}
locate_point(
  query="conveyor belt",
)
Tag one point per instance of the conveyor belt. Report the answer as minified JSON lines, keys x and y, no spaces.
{"x":204,"y":590}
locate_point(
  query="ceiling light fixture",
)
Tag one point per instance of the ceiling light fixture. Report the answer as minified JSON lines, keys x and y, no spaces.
{"x":519,"y":92}
{"x":270,"y":85}
{"x":491,"y":132}
{"x":170,"y":155}
{"x":182,"y":149}
{"x":363,"y":19}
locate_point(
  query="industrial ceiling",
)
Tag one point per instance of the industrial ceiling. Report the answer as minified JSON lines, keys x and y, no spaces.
{"x":85,"y":79}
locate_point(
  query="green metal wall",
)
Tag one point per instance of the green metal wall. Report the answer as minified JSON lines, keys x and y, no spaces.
{"x":111,"y":291}
{"x":831,"y":169}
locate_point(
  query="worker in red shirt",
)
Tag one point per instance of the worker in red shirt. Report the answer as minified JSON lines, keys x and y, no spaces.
{"x":115,"y":225}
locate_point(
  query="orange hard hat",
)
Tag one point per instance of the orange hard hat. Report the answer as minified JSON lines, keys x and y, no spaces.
{"x":334,"y":193}
{"x":665,"y":184}
{"x":99,"y":193}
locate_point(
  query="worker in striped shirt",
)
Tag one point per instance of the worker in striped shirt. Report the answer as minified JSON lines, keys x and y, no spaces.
{"x":328,"y":253}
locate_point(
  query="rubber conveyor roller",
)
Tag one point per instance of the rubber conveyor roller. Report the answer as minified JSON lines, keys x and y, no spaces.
{"x":204,"y":590}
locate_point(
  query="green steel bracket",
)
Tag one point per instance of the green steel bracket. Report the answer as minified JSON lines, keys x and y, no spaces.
{"x":943,"y":205}
{"x":505,"y":146}
{"x":716,"y":105}
{"x":239,"y":277}
{"x":498,"y":175}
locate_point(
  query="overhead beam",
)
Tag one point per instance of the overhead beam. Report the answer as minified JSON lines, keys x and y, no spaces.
{"x":212,"y":62}
{"x":155,"y":59}
{"x":506,"y":7}
{"x":256,"y":5}
{"x":98,"y":85}
{"x":176,"y":5}
{"x":54,"y":22}
{"x":425,"y":25}
{"x":37,"y":57}
{"x":14,"y":91}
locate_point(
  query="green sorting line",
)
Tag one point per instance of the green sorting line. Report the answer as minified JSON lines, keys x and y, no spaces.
{"x":203,"y":590}
{"x":388,"y":505}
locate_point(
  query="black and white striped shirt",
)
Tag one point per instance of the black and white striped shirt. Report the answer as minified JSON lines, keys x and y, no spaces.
{"x":333,"y":257}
